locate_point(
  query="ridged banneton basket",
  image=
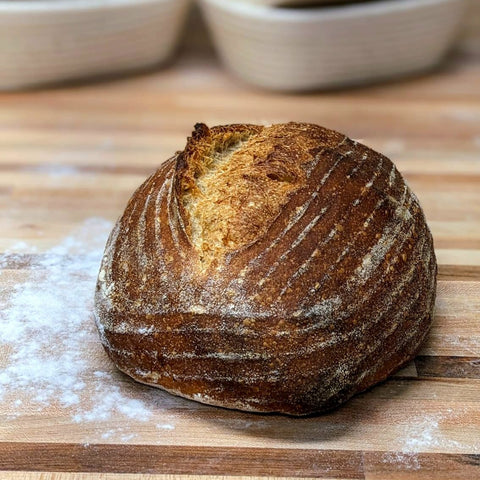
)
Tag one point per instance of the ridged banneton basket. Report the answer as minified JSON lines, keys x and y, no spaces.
{"x":50,"y":41}
{"x":269,"y":269}
{"x":298,"y":49}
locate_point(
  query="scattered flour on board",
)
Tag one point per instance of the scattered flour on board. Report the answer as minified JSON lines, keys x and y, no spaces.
{"x":47,"y":330}
{"x":48,"y":334}
{"x":423,"y":433}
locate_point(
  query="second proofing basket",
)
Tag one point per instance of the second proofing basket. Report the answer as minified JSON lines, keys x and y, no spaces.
{"x":332,"y":46}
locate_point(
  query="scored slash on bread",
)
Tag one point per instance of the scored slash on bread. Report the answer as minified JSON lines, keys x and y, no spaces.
{"x":269,"y":269}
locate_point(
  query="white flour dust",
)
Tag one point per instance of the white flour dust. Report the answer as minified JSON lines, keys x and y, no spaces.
{"x":423,"y":433}
{"x":48,"y":334}
{"x":403,"y":460}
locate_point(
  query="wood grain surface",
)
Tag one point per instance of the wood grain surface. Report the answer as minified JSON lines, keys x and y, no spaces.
{"x":76,"y":153}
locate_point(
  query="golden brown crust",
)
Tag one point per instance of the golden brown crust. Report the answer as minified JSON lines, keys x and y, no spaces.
{"x":235,"y":180}
{"x":333,"y":292}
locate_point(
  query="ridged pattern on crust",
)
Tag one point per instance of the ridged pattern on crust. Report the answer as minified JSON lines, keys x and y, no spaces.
{"x":336,"y":295}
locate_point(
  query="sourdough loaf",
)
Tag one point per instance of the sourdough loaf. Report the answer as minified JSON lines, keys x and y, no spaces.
{"x":268,"y":269}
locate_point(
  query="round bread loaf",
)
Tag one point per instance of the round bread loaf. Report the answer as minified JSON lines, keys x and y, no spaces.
{"x":269,"y":269}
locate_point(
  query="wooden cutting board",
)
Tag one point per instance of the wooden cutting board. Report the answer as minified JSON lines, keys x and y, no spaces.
{"x":69,"y":160}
